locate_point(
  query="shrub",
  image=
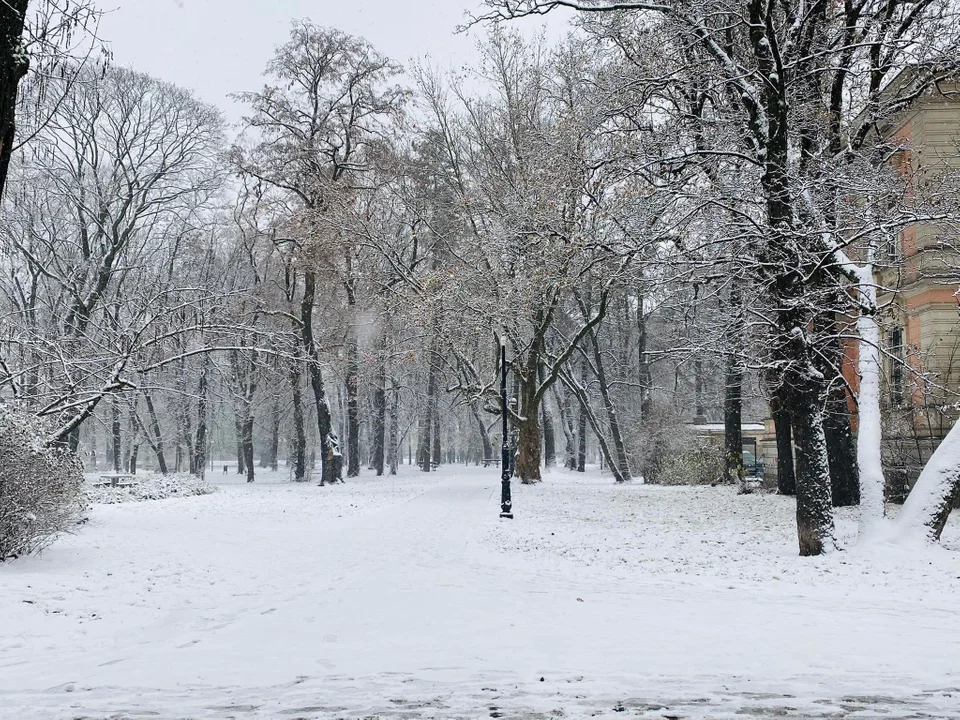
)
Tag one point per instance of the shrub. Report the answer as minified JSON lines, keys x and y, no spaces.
{"x":41,"y":487}
{"x":696,"y":465}
{"x":152,"y":487}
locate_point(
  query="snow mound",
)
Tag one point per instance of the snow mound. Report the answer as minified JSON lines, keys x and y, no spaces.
{"x":152,"y":487}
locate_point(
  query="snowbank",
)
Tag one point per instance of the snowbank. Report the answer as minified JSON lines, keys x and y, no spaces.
{"x":151,"y":487}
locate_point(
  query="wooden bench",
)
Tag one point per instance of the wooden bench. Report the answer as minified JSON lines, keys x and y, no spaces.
{"x":117,"y":480}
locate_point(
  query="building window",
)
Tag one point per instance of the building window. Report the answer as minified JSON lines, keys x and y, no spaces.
{"x":895,"y":349}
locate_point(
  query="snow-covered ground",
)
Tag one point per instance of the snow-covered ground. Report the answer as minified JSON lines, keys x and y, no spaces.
{"x":408,"y":598}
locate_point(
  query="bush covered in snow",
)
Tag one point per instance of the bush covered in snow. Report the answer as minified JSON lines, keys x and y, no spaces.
{"x":668,"y":451}
{"x":152,"y":487}
{"x":698,"y":464}
{"x":41,"y":487}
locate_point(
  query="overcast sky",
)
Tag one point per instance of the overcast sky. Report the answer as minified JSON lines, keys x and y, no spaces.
{"x":216,"y":47}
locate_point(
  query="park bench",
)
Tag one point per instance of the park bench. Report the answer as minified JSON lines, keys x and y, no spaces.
{"x":117,"y":480}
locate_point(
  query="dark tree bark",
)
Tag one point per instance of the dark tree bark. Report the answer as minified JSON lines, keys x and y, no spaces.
{"x":14,"y":64}
{"x":248,"y":447}
{"x":273,"y":449}
{"x":238,"y":433}
{"x":569,"y":431}
{"x":394,"y":444}
{"x":198,"y":461}
{"x":353,"y":408}
{"x":299,"y":443}
{"x":644,"y":377}
{"x":622,"y":469}
{"x":436,"y":455}
{"x":841,"y":448}
{"x":582,"y":441}
{"x":485,"y":443}
{"x":528,"y":438}
{"x":115,"y":434}
{"x":549,"y":433}
{"x":157,"y":442}
{"x":331,"y":461}
{"x":786,"y":480}
{"x":379,"y":418}
{"x":549,"y":438}
{"x":429,"y":445}
{"x":733,"y":423}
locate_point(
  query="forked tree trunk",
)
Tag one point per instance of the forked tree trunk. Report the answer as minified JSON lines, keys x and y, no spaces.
{"x":622,"y":469}
{"x":157,"y":443}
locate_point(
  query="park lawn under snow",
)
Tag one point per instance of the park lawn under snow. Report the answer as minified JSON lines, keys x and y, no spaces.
{"x":408,"y":597}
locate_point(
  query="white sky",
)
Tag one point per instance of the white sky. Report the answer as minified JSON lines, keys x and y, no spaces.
{"x":216,"y":47}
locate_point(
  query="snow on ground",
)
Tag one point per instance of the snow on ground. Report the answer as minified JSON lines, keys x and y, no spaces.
{"x":408,"y":598}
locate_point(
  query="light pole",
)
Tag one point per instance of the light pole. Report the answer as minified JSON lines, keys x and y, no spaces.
{"x":506,"y":503}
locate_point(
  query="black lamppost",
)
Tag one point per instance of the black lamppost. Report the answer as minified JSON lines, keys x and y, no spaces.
{"x":506,"y":504}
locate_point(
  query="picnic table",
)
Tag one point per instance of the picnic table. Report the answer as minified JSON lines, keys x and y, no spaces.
{"x":117,"y":480}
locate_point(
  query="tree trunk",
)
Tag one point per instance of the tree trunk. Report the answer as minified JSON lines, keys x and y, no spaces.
{"x":841,"y":450}
{"x":622,"y":470}
{"x":528,"y":443}
{"x":238,"y":433}
{"x":394,"y":447}
{"x":115,"y":434}
{"x":569,"y":431}
{"x":786,"y":479}
{"x":155,"y":428}
{"x":814,"y":502}
{"x":353,"y":408}
{"x":644,"y":377}
{"x":273,"y":451}
{"x":436,"y":454}
{"x":248,"y":444}
{"x":549,"y":437}
{"x":484,"y":435}
{"x":330,"y":459}
{"x":199,"y":454}
{"x":14,"y":63}
{"x":733,"y":424}
{"x":379,"y":418}
{"x":299,"y":444}
{"x":927,"y":508}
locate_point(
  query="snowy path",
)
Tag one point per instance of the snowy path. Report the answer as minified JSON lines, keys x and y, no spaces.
{"x":410,"y":599}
